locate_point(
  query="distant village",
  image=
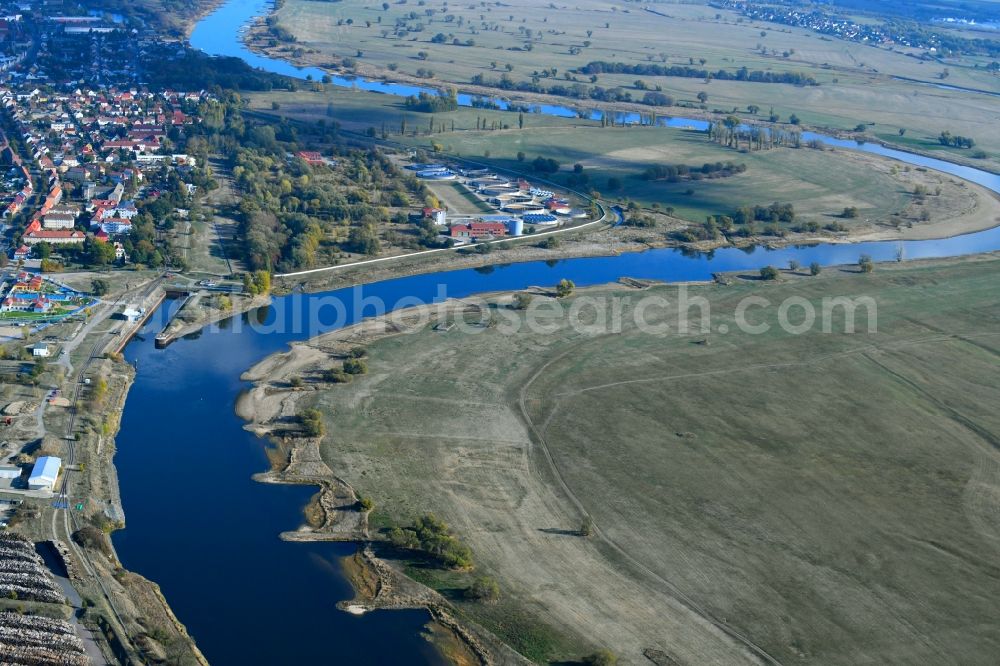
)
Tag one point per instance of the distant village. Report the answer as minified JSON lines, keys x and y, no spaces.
{"x":827,"y":24}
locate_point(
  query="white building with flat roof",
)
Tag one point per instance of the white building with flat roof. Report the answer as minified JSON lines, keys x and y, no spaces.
{"x":10,"y":472}
{"x":44,"y":473}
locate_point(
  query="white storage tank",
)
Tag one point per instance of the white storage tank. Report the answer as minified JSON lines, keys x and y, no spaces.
{"x":516,"y":227}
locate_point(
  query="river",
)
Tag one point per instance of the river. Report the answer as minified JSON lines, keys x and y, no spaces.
{"x":201,"y":528}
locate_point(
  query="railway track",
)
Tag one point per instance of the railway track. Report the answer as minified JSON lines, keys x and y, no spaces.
{"x":70,"y":523}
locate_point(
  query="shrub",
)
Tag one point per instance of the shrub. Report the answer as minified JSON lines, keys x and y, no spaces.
{"x":99,"y":287}
{"x":335,"y":376}
{"x":565,"y":288}
{"x":355,"y":366}
{"x":484,"y":588}
{"x":521,"y":301}
{"x":602,"y":657}
{"x":768,"y":273}
{"x":815,"y":268}
{"x":431,"y":536}
{"x":312,"y":422}
{"x":90,"y":536}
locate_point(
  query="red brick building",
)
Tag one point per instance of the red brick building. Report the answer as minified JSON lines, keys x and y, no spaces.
{"x":476,"y":230}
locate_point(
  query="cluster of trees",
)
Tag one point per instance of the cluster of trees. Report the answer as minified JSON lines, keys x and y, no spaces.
{"x":955,"y":141}
{"x":196,"y":71}
{"x":257,"y":282}
{"x":311,"y":420}
{"x":293,"y":216}
{"x":140,"y":246}
{"x":677,"y":172}
{"x":545,"y":165}
{"x":776,"y":212}
{"x":639,"y":221}
{"x":733,"y":133}
{"x":742,"y":223}
{"x":742,"y":74}
{"x":427,"y":103}
{"x":433,"y":537}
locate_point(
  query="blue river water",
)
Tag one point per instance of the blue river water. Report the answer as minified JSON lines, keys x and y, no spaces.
{"x":208,"y":535}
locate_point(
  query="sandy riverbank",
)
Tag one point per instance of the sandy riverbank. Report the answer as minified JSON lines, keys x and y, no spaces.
{"x":274,"y":401}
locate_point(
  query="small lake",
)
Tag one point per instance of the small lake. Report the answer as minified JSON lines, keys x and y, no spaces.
{"x":208,"y":535}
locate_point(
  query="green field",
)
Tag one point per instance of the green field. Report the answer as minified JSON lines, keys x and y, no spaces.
{"x":829,"y":496}
{"x":856,"y":84}
{"x":819,"y":184}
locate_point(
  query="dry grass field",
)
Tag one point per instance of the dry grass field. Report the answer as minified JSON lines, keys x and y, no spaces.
{"x":825,"y":497}
{"x":856,"y":79}
{"x":820,"y":184}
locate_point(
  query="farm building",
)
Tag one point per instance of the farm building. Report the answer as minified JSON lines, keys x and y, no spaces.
{"x":10,"y":472}
{"x":44,"y":473}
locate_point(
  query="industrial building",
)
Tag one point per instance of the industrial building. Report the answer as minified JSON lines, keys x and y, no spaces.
{"x":44,"y":473}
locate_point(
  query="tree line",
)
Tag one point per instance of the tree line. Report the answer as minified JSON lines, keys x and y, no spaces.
{"x":955,"y":141}
{"x":674,"y":173}
{"x":686,"y":71}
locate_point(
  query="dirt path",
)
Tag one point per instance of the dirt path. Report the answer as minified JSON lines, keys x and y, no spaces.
{"x":212,"y":245}
{"x":539,"y":439}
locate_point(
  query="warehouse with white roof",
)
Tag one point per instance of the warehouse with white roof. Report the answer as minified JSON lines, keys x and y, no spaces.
{"x":44,"y":474}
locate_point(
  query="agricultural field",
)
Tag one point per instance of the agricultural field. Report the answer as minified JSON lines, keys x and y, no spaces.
{"x":440,"y":43}
{"x":816,"y":496}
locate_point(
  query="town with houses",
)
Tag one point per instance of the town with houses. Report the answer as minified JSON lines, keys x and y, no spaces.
{"x":89,"y":150}
{"x":866,"y":32}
